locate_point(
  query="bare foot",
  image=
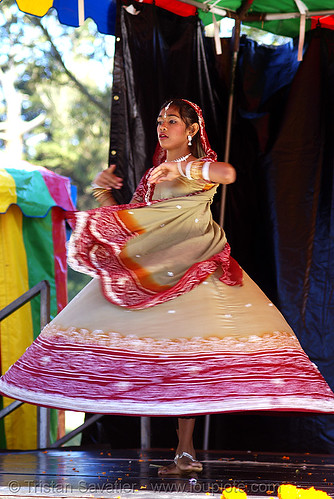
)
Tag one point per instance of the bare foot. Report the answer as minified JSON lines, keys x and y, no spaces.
{"x":183,"y":464}
{"x":171,"y":469}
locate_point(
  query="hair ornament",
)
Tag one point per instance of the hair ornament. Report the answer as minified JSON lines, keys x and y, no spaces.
{"x":166,"y":108}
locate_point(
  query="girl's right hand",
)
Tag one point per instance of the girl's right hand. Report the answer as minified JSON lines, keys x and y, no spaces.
{"x":166,"y":171}
{"x":107,"y":179}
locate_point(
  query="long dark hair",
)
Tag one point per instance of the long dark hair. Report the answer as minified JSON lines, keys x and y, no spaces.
{"x":188,"y":116}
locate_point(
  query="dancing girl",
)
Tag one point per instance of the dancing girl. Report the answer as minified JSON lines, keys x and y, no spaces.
{"x":170,"y":325}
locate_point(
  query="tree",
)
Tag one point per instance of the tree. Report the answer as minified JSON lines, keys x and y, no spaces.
{"x":13,"y":128}
{"x":54,"y":108}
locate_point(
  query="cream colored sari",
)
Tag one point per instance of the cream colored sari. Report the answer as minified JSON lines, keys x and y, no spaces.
{"x":169,"y":325}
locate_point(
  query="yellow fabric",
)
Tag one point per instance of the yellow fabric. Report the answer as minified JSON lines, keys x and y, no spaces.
{"x":16,"y":330}
{"x":170,"y":235}
{"x":7,"y":190}
{"x":181,"y":186}
{"x":39,"y":8}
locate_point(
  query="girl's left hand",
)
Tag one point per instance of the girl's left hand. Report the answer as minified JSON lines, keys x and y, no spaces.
{"x":166,"y":171}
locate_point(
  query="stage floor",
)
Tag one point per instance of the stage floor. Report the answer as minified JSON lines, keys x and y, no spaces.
{"x":119,"y":474}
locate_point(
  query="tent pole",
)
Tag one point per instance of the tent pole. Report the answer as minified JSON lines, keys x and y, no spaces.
{"x":236,"y":46}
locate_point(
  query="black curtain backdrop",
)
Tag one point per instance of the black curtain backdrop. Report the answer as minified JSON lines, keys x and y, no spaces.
{"x":279,"y":216}
{"x":159,"y":56}
{"x":280,"y":210}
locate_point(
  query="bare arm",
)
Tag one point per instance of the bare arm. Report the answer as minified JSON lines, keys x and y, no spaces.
{"x":102,"y":185}
{"x":222,"y":173}
{"x":216,"y":173}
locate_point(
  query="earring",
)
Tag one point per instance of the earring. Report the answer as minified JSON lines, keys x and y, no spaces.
{"x":189,"y":140}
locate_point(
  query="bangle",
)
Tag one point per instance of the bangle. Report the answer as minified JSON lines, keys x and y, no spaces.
{"x":100,"y":193}
{"x":188,"y":168}
{"x":179,"y":167}
{"x":196,"y":170}
{"x":205,"y":171}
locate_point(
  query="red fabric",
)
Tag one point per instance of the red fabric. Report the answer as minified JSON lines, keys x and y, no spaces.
{"x":179,"y":8}
{"x":209,"y":153}
{"x":59,"y":188}
{"x":59,"y":251}
{"x":109,"y":380}
{"x":96,"y":248}
{"x":324,"y":22}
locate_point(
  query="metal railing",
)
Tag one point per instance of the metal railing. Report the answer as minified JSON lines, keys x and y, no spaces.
{"x":43,"y":419}
{"x":145,"y":432}
{"x":43,"y":414}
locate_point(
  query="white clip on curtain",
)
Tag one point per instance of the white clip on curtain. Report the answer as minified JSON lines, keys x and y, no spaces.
{"x":302,"y":10}
{"x":218,"y":44}
{"x":81,"y":12}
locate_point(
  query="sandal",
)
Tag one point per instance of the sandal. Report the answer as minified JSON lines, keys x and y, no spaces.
{"x":176,"y":469}
{"x":190,"y":469}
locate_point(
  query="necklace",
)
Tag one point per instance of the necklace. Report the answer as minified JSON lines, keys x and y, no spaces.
{"x":182,"y":158}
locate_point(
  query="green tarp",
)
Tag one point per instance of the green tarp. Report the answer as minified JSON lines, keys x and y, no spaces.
{"x":285,"y":27}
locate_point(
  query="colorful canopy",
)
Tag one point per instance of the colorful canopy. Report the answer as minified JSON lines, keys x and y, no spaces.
{"x":33,"y":201}
{"x":277,"y":16}
{"x":74,"y":12}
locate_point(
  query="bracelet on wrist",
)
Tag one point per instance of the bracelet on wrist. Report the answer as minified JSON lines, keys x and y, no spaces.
{"x":198,"y":170}
{"x":101,"y":194}
{"x":179,"y":167}
{"x":188,"y":168}
{"x":206,"y":171}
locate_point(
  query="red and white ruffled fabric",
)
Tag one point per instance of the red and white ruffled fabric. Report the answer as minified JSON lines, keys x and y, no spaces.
{"x":100,"y":244}
{"x":208,"y":345}
{"x":215,"y":349}
{"x":165,"y":326}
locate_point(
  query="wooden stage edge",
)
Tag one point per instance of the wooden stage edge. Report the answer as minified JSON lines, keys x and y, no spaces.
{"x":118,"y":474}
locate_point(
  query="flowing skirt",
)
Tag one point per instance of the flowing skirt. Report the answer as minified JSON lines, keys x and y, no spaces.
{"x":217,"y":348}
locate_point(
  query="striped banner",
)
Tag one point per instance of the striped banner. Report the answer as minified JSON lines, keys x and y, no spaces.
{"x":33,"y":201}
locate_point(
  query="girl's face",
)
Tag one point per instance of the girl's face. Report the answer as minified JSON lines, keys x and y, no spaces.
{"x":171,"y":129}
